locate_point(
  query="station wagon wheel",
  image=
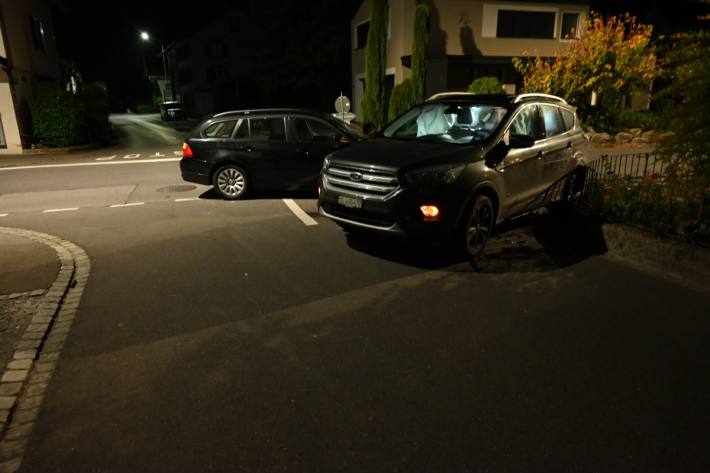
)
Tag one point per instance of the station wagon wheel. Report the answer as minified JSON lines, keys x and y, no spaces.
{"x":231,"y":182}
{"x":478,"y":225}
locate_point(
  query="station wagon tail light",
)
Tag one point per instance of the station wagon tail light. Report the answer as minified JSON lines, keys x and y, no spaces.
{"x":186,"y":151}
{"x":430,"y":213}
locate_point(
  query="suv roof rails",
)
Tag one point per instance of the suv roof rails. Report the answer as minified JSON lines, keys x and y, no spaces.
{"x":442,"y":95}
{"x":521,"y":97}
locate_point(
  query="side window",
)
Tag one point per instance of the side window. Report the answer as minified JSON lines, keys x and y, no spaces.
{"x":314,"y":130}
{"x":553,"y":120}
{"x":527,"y":123}
{"x":242,"y":130}
{"x":220,"y":129}
{"x":568,"y":118}
{"x":268,"y":129}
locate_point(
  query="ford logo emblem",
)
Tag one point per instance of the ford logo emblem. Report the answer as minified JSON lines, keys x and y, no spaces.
{"x":356,"y":176}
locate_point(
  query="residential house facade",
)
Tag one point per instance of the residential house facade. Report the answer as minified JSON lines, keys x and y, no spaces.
{"x":212,"y":69}
{"x":29,"y":64}
{"x":468,"y":39}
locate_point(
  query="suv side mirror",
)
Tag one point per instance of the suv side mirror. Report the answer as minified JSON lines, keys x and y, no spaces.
{"x":520,"y":141}
{"x":342,"y":140}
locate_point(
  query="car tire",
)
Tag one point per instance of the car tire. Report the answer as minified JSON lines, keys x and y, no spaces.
{"x":478,"y":223}
{"x":231,"y":182}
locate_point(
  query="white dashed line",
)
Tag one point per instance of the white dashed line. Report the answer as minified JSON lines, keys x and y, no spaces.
{"x":107,"y":158}
{"x":107,"y":163}
{"x":187,"y":200}
{"x":298,"y":212}
{"x":70,"y":209}
{"x":116,"y":206}
{"x":4,"y":215}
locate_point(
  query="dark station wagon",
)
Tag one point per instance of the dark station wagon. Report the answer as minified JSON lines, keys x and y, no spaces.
{"x":264,"y":150}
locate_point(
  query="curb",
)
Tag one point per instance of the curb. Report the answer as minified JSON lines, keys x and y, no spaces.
{"x":66,"y":150}
{"x":675,"y":259}
{"x":24,"y":384}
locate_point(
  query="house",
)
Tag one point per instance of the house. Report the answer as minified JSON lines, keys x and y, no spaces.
{"x":468,"y":39}
{"x":212,"y":69}
{"x":29,"y":64}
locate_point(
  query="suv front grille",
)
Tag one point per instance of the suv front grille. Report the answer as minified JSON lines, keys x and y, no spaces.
{"x":363,"y":182}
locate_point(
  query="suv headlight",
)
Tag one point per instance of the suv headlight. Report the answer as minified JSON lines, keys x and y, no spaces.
{"x":434,"y":175}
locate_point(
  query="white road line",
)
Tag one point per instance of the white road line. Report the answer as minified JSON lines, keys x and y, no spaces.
{"x":187,"y":200}
{"x":4,"y":215}
{"x":298,"y":212}
{"x":108,"y":163}
{"x":107,"y":158}
{"x":70,"y":209}
{"x":116,"y":206}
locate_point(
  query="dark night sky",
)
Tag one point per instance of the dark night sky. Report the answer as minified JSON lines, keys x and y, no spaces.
{"x":102,"y":37}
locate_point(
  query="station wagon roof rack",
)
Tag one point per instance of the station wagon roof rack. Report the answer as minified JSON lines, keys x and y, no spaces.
{"x":521,"y":97}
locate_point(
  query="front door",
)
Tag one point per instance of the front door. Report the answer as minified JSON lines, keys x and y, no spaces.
{"x":522,"y":168}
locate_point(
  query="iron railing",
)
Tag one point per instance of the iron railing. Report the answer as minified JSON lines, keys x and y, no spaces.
{"x":646,"y":190}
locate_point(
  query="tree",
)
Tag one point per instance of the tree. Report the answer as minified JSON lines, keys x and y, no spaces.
{"x":419,"y":49}
{"x":613,"y":57}
{"x":401,"y":100}
{"x":486,"y":85}
{"x":373,"y":102}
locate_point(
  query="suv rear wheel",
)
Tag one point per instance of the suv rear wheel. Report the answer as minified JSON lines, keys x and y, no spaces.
{"x":478,"y":225}
{"x":230,"y":181}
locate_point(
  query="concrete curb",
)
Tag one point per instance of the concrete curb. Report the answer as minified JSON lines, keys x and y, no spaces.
{"x":65,"y":150}
{"x":24,"y":384}
{"x":674,"y":259}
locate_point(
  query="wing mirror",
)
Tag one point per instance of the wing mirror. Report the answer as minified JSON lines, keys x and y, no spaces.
{"x":342,"y":140}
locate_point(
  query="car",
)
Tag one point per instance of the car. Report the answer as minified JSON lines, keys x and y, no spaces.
{"x":262,"y":150}
{"x":172,"y":111}
{"x":454,"y":167}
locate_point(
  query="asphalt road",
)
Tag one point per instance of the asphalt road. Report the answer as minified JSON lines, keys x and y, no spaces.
{"x":230,"y":336}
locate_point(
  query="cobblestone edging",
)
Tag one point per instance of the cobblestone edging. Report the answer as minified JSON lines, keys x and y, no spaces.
{"x":24,"y":384}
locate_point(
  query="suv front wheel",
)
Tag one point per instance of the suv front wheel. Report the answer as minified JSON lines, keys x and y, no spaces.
{"x":478,"y":225}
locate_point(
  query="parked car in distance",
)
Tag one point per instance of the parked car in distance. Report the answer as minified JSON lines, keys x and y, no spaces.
{"x":283,"y":149}
{"x":172,"y":111}
{"x":456,"y":166}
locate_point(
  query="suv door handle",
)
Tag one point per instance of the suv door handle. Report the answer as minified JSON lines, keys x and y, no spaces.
{"x":248,"y":149}
{"x":540,"y":154}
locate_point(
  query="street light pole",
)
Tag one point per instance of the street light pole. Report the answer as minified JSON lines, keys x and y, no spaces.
{"x":145,"y":36}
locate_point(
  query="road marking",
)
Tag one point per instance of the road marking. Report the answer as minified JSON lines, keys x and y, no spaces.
{"x":116,"y":206}
{"x":187,"y":200}
{"x":4,"y":215}
{"x":107,"y":158}
{"x":132,"y":156}
{"x":70,"y":209}
{"x":107,"y":163}
{"x":298,"y":212}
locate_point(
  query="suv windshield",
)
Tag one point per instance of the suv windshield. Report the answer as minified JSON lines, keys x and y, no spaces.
{"x":447,"y":122}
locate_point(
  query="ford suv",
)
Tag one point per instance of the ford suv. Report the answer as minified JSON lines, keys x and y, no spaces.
{"x":457,"y":165}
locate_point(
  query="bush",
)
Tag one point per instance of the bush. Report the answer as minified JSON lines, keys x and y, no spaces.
{"x":95,"y":100}
{"x":59,"y":118}
{"x":486,"y":85}
{"x":402,"y":99}
{"x":638,"y":119}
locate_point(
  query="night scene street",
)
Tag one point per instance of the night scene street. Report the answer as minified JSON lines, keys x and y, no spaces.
{"x":358,"y":236}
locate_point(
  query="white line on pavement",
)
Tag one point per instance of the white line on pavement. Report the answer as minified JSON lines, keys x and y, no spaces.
{"x":4,"y":215}
{"x":298,"y":212}
{"x":116,"y":206}
{"x":107,"y":158}
{"x":108,"y":163}
{"x":187,"y":200}
{"x":70,"y":209}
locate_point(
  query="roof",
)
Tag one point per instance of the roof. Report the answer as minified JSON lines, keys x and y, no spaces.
{"x":268,"y":111}
{"x":498,"y":99}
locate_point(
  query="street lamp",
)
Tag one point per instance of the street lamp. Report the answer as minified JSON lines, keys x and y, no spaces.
{"x":145,"y":36}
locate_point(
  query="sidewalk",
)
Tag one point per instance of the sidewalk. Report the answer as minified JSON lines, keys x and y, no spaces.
{"x":27,"y":270}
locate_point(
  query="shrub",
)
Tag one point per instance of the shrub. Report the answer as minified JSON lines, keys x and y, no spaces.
{"x":95,"y":100}
{"x":373,"y":101}
{"x":637,"y":119}
{"x":402,"y":99}
{"x":59,"y":118}
{"x":419,"y":48}
{"x":144,"y":108}
{"x":486,"y":85}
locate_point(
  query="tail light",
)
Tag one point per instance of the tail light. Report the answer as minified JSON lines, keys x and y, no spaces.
{"x":186,"y":151}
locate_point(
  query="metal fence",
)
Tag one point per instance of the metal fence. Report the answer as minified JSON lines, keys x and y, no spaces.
{"x":643,"y":189}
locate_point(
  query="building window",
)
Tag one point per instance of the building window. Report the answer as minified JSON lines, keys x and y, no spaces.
{"x":570,"y":26}
{"x":526,"y":24}
{"x":37,"y":30}
{"x":361,"y":32}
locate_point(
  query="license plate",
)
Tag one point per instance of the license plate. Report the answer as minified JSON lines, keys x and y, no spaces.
{"x":350,"y":202}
